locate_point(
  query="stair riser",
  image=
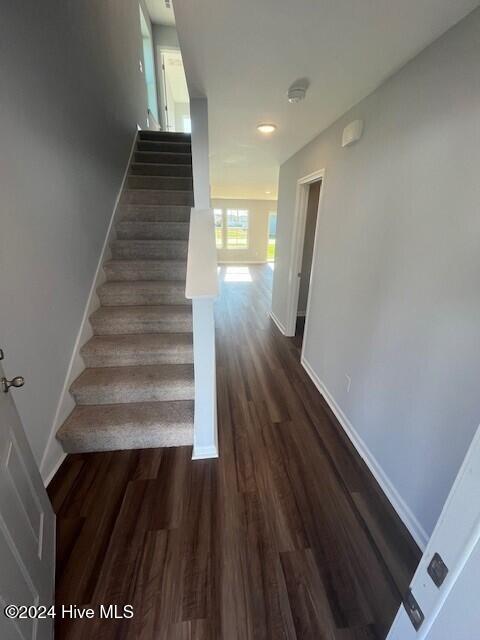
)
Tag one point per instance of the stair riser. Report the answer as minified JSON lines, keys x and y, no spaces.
{"x":124,"y":394}
{"x":146,"y":196}
{"x":129,"y":327}
{"x":176,"y":170}
{"x":149,"y":213}
{"x":155,"y":250}
{"x":162,"y":158}
{"x":163,"y":147}
{"x":133,"y":298}
{"x":113,"y":359}
{"x":133,"y":230}
{"x":165,"y":136}
{"x":84,"y":443}
{"x":118,"y":271}
{"x":160,"y":182}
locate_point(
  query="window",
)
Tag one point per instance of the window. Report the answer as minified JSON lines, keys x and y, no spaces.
{"x":272,"y":232}
{"x":218,"y":213}
{"x":237,"y":229}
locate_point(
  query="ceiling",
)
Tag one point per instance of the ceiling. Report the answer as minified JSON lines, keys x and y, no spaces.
{"x":243,"y":55}
{"x":160,"y":13}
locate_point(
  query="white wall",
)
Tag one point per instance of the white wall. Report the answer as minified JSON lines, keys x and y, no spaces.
{"x":395,"y":300}
{"x":72,"y":95}
{"x":258,"y":229}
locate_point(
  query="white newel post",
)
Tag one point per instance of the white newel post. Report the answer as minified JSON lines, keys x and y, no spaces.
{"x":202,"y":288}
{"x":205,"y":422}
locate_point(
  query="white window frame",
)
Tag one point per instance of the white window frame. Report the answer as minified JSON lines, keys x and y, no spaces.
{"x":217,"y":211}
{"x":226,"y":227}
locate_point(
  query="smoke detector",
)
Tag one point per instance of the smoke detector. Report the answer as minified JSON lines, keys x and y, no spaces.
{"x":297,"y":91}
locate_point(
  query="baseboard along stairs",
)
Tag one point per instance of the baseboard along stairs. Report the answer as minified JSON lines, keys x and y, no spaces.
{"x":137,"y":389}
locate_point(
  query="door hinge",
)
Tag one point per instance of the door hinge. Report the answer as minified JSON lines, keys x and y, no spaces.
{"x":413,"y":610}
{"x":437,"y":570}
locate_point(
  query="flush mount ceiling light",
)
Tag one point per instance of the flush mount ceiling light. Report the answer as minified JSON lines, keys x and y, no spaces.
{"x":266,"y":127}
{"x":298,"y":90}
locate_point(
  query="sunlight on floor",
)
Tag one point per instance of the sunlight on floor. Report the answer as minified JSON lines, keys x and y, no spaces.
{"x":237,"y":274}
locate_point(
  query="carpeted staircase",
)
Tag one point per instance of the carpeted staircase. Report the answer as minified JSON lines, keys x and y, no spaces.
{"x":137,"y":390}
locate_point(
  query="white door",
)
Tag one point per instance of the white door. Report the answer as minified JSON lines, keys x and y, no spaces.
{"x":174,"y":93}
{"x":168,"y":101}
{"x":27,"y":529}
{"x":445,"y":589}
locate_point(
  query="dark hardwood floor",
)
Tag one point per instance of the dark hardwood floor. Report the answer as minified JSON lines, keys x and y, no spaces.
{"x":285,"y":536}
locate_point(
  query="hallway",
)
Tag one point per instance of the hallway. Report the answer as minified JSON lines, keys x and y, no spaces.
{"x":285,"y":536}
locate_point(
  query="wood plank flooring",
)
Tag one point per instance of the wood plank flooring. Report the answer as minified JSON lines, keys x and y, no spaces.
{"x":286,"y":536}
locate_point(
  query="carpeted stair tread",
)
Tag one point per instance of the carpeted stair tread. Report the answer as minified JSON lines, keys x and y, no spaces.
{"x":142,"y":319}
{"x":165,"y":136}
{"x":171,"y":146}
{"x":128,"y":426}
{"x":117,"y":270}
{"x":150,"y":249}
{"x":142,"y":293}
{"x":155,"y":212}
{"x":138,"y":349}
{"x":169,"y":183}
{"x":152,"y":383}
{"x":157,"y":196}
{"x":162,"y":157}
{"x":158,"y":169}
{"x":148,"y":230}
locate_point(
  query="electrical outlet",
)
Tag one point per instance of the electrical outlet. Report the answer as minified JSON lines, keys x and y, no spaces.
{"x":349,"y":382}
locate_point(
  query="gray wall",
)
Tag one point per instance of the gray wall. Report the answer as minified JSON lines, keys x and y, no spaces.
{"x":71,"y":97}
{"x":395,"y":300}
{"x":165,"y":37}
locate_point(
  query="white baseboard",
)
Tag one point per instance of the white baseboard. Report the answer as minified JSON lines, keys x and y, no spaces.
{"x":52,"y":456}
{"x":278,"y":323}
{"x":47,"y":479}
{"x":202,"y":453}
{"x":408,"y":518}
{"x":241,"y":262}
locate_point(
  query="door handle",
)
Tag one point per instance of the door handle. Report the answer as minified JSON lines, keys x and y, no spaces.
{"x":16,"y":382}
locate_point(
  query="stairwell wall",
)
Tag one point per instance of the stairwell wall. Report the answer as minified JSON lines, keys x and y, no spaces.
{"x":72,"y":97}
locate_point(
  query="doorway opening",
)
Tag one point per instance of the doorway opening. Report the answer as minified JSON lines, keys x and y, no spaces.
{"x":175,"y":98}
{"x":313,"y":200}
{"x":309,"y":194}
{"x":272,"y":234}
{"x":149,"y":73}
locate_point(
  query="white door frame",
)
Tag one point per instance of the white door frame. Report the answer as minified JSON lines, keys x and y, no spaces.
{"x":296,"y":254}
{"x":163,"y":91}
